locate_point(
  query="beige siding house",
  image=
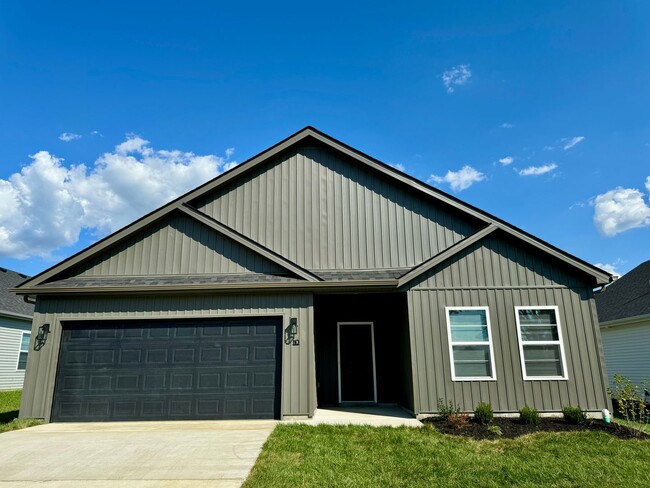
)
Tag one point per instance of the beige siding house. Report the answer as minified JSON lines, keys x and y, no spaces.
{"x":312,"y":275}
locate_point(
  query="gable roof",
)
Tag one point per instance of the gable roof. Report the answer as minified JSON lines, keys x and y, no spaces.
{"x":11,"y":304}
{"x":627,"y":297}
{"x":309,"y":134}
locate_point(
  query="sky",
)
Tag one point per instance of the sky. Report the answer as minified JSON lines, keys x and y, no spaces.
{"x":536,"y":112}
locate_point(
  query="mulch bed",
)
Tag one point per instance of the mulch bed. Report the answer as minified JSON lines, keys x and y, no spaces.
{"x":511,"y":428}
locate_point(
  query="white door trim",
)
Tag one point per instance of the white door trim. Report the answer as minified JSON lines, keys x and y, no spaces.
{"x":374,"y":364}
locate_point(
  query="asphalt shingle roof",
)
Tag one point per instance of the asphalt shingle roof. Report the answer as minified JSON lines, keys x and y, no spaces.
{"x":10,"y":302}
{"x":629,"y":296}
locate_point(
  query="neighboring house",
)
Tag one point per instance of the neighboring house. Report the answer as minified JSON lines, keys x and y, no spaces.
{"x":310,"y":275}
{"x":624,"y":314}
{"x":15,"y":331}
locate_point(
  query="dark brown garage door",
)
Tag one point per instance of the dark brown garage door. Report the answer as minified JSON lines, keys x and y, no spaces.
{"x":168,"y":370}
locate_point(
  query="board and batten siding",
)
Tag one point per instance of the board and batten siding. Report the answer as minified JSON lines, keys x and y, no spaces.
{"x":627,"y":351}
{"x":11,"y":334}
{"x":298,"y":389}
{"x":177,"y":245}
{"x":501,"y":275}
{"x":323,"y":212}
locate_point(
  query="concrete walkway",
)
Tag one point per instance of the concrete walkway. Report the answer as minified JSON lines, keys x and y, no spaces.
{"x":375,"y":415}
{"x":132,"y":454}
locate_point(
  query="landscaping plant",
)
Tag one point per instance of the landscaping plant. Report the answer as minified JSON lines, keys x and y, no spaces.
{"x":446,"y":410}
{"x":629,"y":399}
{"x":483,"y":413}
{"x":458,"y":420}
{"x":574,"y":415}
{"x":495,"y":429}
{"x":529,"y":415}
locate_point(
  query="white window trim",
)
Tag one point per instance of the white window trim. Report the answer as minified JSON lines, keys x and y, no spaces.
{"x":560,"y":341}
{"x":470,"y":343}
{"x":20,"y":349}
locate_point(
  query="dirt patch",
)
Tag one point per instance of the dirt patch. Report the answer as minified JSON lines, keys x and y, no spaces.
{"x":512,"y":428}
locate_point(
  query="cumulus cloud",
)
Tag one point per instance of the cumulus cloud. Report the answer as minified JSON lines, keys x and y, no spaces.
{"x":456,"y":76}
{"x":507,"y":160}
{"x":569,"y":143}
{"x":96,"y":133}
{"x":69,"y":136}
{"x":47,"y":204}
{"x":537,"y":170}
{"x":399,"y":167}
{"x":621,"y":209}
{"x":611,"y":267}
{"x":507,"y":125}
{"x":459,"y":180}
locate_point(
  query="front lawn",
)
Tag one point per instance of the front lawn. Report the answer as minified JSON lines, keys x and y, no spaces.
{"x":9,"y":405}
{"x":350,"y":456}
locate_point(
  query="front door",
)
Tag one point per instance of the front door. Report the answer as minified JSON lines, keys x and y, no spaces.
{"x":356,"y":361}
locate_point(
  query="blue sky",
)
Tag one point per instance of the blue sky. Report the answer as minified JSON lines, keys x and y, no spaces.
{"x":106,"y":111}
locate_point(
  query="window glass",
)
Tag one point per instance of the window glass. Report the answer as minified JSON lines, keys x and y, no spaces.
{"x":24,"y":348}
{"x":471,"y":347}
{"x":540,"y":342}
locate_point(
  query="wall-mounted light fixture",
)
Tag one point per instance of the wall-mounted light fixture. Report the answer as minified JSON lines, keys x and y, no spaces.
{"x":41,"y":337}
{"x":291,"y":332}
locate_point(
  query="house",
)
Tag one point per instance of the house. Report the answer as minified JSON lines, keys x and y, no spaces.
{"x":15,"y":331}
{"x":624,"y":314}
{"x":311,"y":275}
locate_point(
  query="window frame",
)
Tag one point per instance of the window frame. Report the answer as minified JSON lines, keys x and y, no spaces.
{"x":559,"y":341}
{"x":20,"y":349}
{"x":471,"y":343}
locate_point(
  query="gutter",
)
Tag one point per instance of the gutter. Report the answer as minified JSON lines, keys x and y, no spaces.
{"x":7,"y":313}
{"x":637,"y":319}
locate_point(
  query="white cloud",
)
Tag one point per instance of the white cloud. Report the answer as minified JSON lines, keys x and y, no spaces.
{"x":459,"y":180}
{"x":537,"y":170}
{"x":507,"y":160}
{"x":507,"y":125}
{"x":569,"y":143}
{"x":456,"y":76}
{"x":621,"y":209}
{"x":47,"y":204}
{"x":96,"y":133}
{"x":69,"y":136}
{"x":399,"y":167}
{"x":229,"y":152}
{"x":611,"y":267}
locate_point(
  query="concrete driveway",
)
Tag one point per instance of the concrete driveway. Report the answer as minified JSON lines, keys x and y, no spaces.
{"x":134,"y":454}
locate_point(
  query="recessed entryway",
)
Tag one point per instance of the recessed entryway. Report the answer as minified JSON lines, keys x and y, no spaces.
{"x":356,"y":361}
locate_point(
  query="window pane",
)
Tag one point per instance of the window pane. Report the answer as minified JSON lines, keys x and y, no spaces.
{"x":539,"y":333}
{"x":536,"y":316}
{"x":24,"y":345}
{"x":543,"y":360}
{"x":467,"y":317}
{"x":471,"y":353}
{"x":22,"y":360}
{"x":468,"y":334}
{"x":475,"y":370}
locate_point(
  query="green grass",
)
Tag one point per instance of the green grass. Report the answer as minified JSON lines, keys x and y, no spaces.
{"x":9,"y":405}
{"x":642,"y":426}
{"x":351,"y":456}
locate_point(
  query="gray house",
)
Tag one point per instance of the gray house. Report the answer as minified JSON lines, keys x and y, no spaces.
{"x":624,"y":312}
{"x":311,"y":275}
{"x":15,"y":331}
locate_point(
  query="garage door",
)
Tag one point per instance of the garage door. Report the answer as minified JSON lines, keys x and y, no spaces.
{"x":168,"y":370}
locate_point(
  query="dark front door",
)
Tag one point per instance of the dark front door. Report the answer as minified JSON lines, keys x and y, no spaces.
{"x":357,"y":380}
{"x":168,"y":370}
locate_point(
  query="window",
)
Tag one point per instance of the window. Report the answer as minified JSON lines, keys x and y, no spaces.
{"x":24,"y":348}
{"x":540,"y":343}
{"x":470,"y":344}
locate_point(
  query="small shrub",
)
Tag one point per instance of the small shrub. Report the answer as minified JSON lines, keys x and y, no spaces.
{"x":446,"y":410}
{"x":629,"y":399}
{"x":495,"y":429}
{"x":529,"y":415}
{"x":458,"y":420}
{"x":573,"y":415}
{"x":483,"y":413}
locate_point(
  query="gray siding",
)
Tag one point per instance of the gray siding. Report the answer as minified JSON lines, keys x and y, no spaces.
{"x":500,"y":275}
{"x":178,"y":245}
{"x":298,"y":395}
{"x":11,"y":333}
{"x":323,"y":212}
{"x":627,"y":351}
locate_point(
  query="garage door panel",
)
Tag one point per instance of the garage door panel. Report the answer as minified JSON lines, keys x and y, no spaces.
{"x":134,"y":370}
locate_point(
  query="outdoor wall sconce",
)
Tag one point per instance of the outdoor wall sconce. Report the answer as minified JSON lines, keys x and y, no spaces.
{"x":41,"y":337}
{"x":291,"y":332}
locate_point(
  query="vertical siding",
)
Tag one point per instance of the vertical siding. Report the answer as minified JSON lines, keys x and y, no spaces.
{"x":627,"y":351}
{"x":298,"y":367}
{"x":11,"y":332}
{"x":501,"y":275}
{"x":323,"y":212}
{"x":178,"y":245}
